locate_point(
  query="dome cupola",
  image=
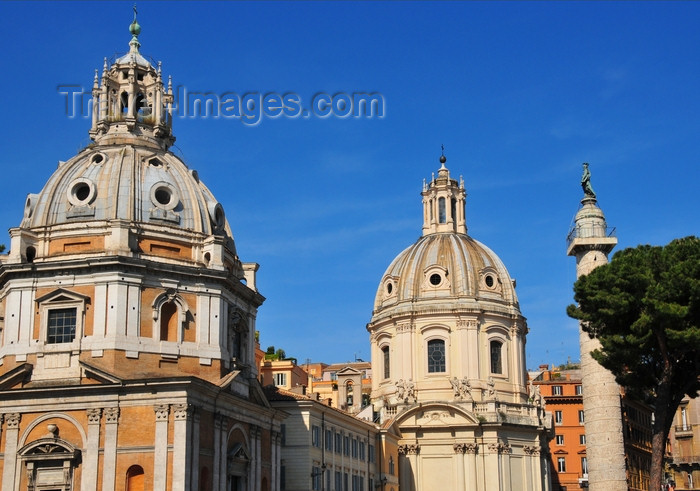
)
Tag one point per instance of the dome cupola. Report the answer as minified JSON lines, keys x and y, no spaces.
{"x":443,"y":203}
{"x":130,"y":103}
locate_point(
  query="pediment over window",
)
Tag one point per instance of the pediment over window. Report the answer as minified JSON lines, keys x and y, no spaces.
{"x":238,"y":452}
{"x":61,"y":295}
{"x":49,"y":448}
{"x":348,"y":371}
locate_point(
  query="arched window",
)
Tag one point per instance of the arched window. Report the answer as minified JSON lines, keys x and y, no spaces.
{"x":496,"y":363}
{"x":348,"y":393}
{"x":436,"y":356}
{"x":386,"y":361}
{"x":124,"y":103}
{"x":168,"y":322}
{"x":442,"y":215}
{"x":135,"y":478}
{"x":453,"y":209}
{"x":391,"y":466}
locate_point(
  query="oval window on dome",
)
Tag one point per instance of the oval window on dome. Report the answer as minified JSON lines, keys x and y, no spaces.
{"x":164,"y":196}
{"x":81,"y":192}
{"x":489,"y":281}
{"x":389,"y":288}
{"x":435,"y":279}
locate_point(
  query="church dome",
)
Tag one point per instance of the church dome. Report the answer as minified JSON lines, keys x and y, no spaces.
{"x":125,"y":182}
{"x":126,"y":193}
{"x":444,"y":268}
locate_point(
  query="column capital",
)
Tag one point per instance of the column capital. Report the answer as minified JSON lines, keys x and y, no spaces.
{"x":532,"y":449}
{"x":162,"y":412}
{"x":13,"y":420}
{"x":500,"y":448}
{"x":112,"y":415}
{"x":183,"y":411}
{"x":409,"y":448}
{"x":94,"y":414}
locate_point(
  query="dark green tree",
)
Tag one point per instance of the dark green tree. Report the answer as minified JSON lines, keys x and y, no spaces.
{"x":644,"y":308}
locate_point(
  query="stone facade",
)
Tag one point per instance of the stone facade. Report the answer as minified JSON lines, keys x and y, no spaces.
{"x":127,"y":355}
{"x":448,"y":360}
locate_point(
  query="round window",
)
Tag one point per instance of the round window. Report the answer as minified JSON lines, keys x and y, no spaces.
{"x":489,"y":281}
{"x":389,"y":288}
{"x":164,"y":196}
{"x":81,"y":192}
{"x":435,"y":279}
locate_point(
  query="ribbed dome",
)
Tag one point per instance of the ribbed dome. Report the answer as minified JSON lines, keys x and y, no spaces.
{"x":125,"y":182}
{"x":445,"y":268}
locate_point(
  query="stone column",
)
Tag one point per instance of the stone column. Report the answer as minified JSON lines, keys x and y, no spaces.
{"x":216,"y":471}
{"x":160,"y":453}
{"x":590,"y":243}
{"x":10,"y":460}
{"x":92,"y":450}
{"x":109,"y":472}
{"x":258,"y":457}
{"x":182,"y":434}
{"x":471,"y":450}
{"x":194,"y":481}
{"x":460,"y":449}
{"x":495,"y":467}
{"x":409,"y":472}
{"x":273,"y":460}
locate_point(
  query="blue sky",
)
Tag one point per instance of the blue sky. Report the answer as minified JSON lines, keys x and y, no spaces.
{"x":519,"y":93}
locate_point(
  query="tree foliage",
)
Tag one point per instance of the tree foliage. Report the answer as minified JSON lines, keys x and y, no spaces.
{"x":644,"y":308}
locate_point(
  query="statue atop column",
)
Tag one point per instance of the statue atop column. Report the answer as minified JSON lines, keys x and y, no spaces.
{"x":586,"y":182}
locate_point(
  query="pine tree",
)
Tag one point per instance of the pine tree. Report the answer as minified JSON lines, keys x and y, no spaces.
{"x":644,"y":308}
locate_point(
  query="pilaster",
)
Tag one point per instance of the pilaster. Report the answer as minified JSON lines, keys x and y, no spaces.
{"x":160,"y":457}
{"x":92,"y":451}
{"x":110,"y":448}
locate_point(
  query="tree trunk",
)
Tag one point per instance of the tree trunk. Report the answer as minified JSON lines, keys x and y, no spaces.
{"x":664,"y":412}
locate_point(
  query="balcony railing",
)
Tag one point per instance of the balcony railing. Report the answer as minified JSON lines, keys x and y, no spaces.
{"x":683,"y":430}
{"x":588,"y":231}
{"x":686,"y":459}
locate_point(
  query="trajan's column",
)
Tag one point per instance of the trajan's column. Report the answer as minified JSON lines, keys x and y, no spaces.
{"x":590,"y":242}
